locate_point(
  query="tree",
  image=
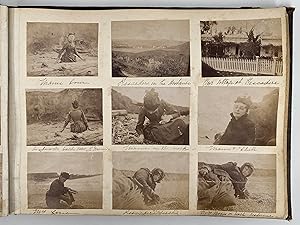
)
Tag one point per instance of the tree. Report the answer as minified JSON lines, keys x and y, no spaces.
{"x":206,"y":26}
{"x":251,"y":48}
{"x":218,"y":38}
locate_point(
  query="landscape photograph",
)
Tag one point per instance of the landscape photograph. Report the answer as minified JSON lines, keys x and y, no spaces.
{"x":241,"y":48}
{"x":65,"y":117}
{"x":85,"y":178}
{"x":142,"y":115}
{"x":237,"y":115}
{"x":136,"y":187}
{"x":150,"y":48}
{"x":224,"y":183}
{"x":62,"y":49}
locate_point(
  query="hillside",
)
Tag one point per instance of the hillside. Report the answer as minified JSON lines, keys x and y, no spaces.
{"x":161,"y":62}
{"x":54,"y":106}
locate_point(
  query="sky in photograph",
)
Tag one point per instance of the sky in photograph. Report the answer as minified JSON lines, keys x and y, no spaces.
{"x":76,"y":163}
{"x":174,"y":95}
{"x":174,"y":162}
{"x":177,"y":30}
{"x":260,"y":161}
{"x":268,"y":27}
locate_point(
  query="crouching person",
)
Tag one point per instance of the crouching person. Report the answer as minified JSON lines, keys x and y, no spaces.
{"x":58,"y":196}
{"x":138,"y":191}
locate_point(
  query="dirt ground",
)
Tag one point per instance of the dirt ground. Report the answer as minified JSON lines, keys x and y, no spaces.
{"x":262,"y":191}
{"x":89,"y":192}
{"x":172,"y":190}
{"x":45,"y":64}
{"x":171,"y":197}
{"x":262,"y":199}
{"x":41,"y":134}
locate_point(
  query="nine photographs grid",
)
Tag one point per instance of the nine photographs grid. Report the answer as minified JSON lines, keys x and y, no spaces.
{"x":151,"y":115}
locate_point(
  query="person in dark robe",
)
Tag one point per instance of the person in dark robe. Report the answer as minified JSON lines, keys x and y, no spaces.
{"x":239,"y":176}
{"x":215,"y":189}
{"x":69,"y":53}
{"x":77,"y":118}
{"x":240,"y":130}
{"x":58,"y":196}
{"x":165,"y":124}
{"x":137,"y":191}
{"x":146,"y":180}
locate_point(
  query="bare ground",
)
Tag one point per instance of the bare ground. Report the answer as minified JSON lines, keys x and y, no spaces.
{"x":89,"y":192}
{"x":41,"y":134}
{"x":173,"y":191}
{"x":44,"y":64}
{"x":262,"y":199}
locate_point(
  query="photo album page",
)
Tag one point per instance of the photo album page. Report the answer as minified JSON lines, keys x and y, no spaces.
{"x":150,"y":111}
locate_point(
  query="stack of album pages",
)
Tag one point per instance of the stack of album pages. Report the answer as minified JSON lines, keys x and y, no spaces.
{"x":146,"y":111}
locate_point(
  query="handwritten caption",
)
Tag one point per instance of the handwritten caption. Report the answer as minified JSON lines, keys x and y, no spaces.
{"x":156,"y":148}
{"x":233,"y":148}
{"x":68,"y":149}
{"x":158,"y":82}
{"x":53,"y":212}
{"x":152,"y":212}
{"x":240,"y":81}
{"x":239,"y":214}
{"x":52,"y":82}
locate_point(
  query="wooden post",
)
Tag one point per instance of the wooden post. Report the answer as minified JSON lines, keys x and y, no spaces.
{"x":274,"y":65}
{"x":257,"y":64}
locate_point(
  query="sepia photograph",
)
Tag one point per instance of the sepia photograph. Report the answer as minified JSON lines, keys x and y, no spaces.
{"x":64,"y":117}
{"x":237,"y":116}
{"x":65,"y":180}
{"x":150,"y":48}
{"x":142,"y":115}
{"x":150,"y":181}
{"x":62,"y":49}
{"x":241,"y":48}
{"x":237,"y":182}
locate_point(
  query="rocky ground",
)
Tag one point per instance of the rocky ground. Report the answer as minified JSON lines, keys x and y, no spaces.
{"x":123,"y":130}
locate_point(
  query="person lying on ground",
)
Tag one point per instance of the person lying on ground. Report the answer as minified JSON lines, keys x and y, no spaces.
{"x":239,"y":176}
{"x":215,"y":189}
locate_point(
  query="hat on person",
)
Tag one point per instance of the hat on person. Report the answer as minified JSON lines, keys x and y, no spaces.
{"x":160,"y":172}
{"x":151,"y":100}
{"x":75,"y":104}
{"x":245,"y":100}
{"x":65,"y":175}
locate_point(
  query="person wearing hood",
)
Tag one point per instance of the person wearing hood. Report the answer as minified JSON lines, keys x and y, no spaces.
{"x":239,"y":176}
{"x":136,"y":191}
{"x":165,"y":125}
{"x":240,"y":130}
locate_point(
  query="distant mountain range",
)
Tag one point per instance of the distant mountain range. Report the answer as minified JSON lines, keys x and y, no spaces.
{"x":131,"y":43}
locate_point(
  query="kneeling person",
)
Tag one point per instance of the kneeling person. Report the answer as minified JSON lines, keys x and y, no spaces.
{"x":58,"y":196}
